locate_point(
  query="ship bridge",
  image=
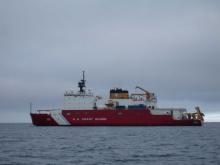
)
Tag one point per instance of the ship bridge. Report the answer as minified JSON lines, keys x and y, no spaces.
{"x":79,"y":100}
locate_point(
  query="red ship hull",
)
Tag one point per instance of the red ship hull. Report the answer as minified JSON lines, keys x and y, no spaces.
{"x":112,"y":118}
{"x":43,"y":120}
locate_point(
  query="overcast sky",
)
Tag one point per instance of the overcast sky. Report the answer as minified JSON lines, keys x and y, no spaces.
{"x":169,"y":47}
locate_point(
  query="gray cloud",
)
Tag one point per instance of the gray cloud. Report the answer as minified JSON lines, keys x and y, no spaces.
{"x":170,"y":47}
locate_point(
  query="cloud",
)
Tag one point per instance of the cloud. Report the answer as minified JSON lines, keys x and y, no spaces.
{"x":214,"y":117}
{"x":171,"y":48}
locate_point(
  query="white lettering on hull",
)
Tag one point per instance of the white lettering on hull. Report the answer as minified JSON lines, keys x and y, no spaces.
{"x":90,"y":119}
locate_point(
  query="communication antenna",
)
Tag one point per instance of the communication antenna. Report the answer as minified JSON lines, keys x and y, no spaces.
{"x":82,"y":84}
{"x":30,"y":107}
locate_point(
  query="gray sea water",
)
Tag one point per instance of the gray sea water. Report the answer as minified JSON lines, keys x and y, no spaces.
{"x":24,"y":144}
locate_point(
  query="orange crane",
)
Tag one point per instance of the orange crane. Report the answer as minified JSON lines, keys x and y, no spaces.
{"x":149,"y":95}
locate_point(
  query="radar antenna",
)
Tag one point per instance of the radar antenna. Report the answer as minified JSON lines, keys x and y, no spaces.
{"x":82,"y":84}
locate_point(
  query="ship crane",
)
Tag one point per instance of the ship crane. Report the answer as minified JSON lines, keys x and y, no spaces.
{"x":149,"y":96}
{"x":199,"y":113}
{"x":196,"y":115}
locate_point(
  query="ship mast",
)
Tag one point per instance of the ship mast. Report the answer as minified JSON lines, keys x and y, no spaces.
{"x":82,"y":84}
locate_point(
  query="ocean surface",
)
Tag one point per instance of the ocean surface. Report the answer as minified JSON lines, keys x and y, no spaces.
{"x":25,"y":144}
